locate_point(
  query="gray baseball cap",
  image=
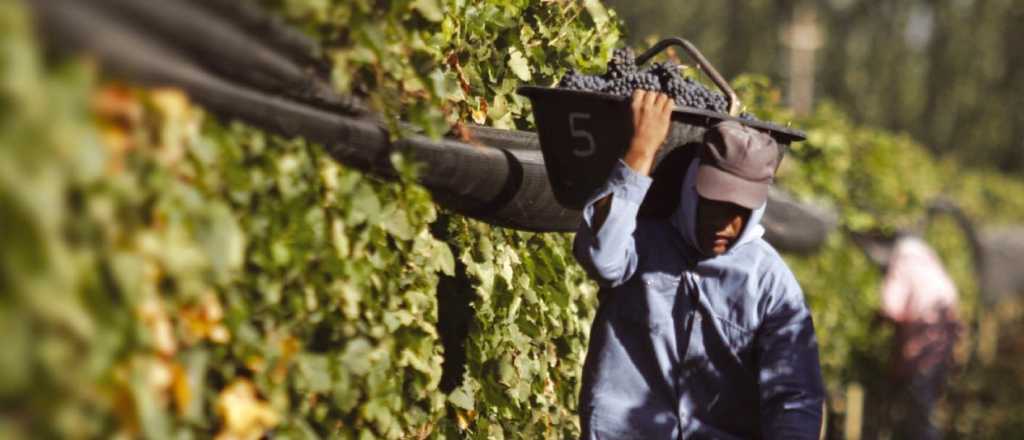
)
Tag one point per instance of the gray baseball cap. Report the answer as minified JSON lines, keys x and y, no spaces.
{"x":737,"y":165}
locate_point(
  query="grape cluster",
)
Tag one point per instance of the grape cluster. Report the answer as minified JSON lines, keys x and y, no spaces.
{"x":577,"y":81}
{"x":623,"y":76}
{"x":622,"y":64}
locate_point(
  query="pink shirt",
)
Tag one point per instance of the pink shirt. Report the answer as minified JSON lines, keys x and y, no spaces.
{"x":916,"y":287}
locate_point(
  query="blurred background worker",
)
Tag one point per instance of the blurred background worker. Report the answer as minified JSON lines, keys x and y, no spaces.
{"x":920,"y":300}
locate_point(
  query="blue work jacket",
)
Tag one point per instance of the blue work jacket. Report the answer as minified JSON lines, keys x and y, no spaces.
{"x":686,"y":345}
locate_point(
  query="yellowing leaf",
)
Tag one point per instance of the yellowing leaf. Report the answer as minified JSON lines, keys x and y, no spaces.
{"x":244,"y":415}
{"x":479,"y":116}
{"x":461,"y":420}
{"x":180,"y":388}
{"x":152,"y":314}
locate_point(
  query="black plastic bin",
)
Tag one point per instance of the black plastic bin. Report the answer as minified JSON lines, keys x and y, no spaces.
{"x":582,"y":134}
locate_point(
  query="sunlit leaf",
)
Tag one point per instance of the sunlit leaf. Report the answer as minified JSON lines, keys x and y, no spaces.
{"x":519,"y":65}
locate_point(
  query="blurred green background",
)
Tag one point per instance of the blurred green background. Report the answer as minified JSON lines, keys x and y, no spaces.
{"x":948,"y":72}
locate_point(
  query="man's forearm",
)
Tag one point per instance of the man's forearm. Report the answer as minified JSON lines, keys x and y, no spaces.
{"x":638,"y":160}
{"x":604,"y":245}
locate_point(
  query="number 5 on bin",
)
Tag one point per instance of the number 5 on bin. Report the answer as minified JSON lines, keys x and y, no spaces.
{"x":580,"y":133}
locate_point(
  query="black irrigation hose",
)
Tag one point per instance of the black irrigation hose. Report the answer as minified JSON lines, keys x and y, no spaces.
{"x":272,"y":29}
{"x":229,"y":49}
{"x":131,"y":53}
{"x":796,"y":227}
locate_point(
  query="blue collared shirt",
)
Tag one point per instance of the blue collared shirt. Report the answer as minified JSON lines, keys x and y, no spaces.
{"x":687,"y":346}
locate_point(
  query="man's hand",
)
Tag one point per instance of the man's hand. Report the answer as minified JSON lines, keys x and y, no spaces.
{"x":651,"y":118}
{"x":652,"y":113}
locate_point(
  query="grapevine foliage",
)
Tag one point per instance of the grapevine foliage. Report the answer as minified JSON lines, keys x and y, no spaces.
{"x":214,"y":280}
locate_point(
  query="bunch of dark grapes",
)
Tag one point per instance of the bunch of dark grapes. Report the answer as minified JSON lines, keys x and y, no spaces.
{"x":665,"y":72}
{"x":622,"y":64}
{"x":574,"y":80}
{"x":626,"y":85}
{"x":623,"y":76}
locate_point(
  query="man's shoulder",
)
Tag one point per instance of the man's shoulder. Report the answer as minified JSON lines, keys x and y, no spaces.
{"x":767,"y":262}
{"x":769,"y":251}
{"x":762,"y":251}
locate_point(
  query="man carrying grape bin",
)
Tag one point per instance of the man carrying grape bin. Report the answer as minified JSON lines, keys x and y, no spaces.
{"x":702,"y":331}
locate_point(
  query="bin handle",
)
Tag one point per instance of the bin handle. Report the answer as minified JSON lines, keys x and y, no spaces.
{"x":734,"y":101}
